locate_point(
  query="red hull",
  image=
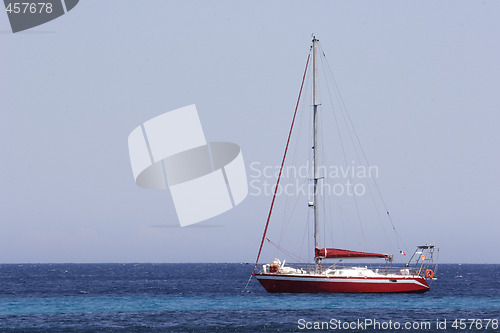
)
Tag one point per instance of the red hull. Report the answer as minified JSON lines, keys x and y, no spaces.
{"x":281,"y":283}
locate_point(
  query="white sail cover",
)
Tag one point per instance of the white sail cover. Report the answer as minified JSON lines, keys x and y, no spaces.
{"x":205,"y":180}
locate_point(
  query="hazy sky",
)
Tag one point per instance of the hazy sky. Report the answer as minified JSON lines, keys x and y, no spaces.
{"x":420,"y":80}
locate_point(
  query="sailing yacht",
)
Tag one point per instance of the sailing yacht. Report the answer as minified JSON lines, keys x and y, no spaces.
{"x":323,"y":276}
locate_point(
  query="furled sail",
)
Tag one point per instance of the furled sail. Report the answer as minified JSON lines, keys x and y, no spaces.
{"x":339,"y":253}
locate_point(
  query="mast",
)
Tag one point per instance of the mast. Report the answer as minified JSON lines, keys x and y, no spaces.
{"x":315,"y":154}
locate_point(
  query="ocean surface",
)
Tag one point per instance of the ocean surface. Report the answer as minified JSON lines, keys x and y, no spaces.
{"x":210,"y":298}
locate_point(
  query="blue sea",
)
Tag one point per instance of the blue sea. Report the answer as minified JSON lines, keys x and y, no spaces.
{"x":210,"y":298}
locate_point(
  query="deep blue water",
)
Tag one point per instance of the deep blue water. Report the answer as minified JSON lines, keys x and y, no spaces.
{"x":209,"y":298}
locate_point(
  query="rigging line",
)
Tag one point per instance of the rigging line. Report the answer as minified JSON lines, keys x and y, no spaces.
{"x":328,"y":224}
{"x":364,"y":156}
{"x":341,"y":221}
{"x":355,"y":149}
{"x":320,"y":163}
{"x":287,"y":217}
{"x":342,"y":216}
{"x":282,"y":163}
{"x":325,"y":224}
{"x":293,"y":256}
{"x":310,"y":171}
{"x":305,"y":234}
{"x":397,"y":236}
{"x":344,"y":154}
{"x":309,"y":230}
{"x":378,"y":214}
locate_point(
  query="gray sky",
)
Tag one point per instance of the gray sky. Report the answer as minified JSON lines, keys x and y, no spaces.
{"x":420,"y":80}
